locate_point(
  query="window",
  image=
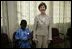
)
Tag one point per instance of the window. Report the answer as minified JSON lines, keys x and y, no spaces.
{"x":28,"y":10}
{"x":61,"y":11}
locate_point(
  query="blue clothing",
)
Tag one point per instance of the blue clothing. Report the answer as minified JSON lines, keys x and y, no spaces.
{"x":23,"y":36}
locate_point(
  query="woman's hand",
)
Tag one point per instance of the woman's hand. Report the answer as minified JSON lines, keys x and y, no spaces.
{"x":35,"y":40}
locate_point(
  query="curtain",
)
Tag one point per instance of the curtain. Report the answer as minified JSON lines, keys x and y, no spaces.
{"x":12,"y":12}
{"x":28,"y":10}
{"x":9,"y":17}
{"x":60,"y":11}
{"x":62,"y":15}
{"x":4,"y":19}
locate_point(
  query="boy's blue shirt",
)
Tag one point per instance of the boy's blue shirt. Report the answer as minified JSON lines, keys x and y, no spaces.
{"x":23,"y":36}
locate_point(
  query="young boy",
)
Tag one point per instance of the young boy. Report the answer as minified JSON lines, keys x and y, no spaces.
{"x":23,"y":35}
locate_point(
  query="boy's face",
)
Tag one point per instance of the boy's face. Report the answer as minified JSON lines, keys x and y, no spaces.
{"x":23,"y":26}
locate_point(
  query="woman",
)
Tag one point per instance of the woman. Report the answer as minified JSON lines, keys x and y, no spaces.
{"x":42,"y":29}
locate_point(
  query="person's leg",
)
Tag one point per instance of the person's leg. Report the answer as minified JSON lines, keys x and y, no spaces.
{"x":39,"y":44}
{"x":45,"y":42}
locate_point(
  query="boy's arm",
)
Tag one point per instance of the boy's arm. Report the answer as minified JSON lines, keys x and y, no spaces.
{"x":17,"y":36}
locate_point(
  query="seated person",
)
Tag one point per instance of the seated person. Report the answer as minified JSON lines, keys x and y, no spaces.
{"x":23,"y":35}
{"x":4,"y":40}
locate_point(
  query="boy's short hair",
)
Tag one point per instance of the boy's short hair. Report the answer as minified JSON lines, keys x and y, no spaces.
{"x":23,"y":22}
